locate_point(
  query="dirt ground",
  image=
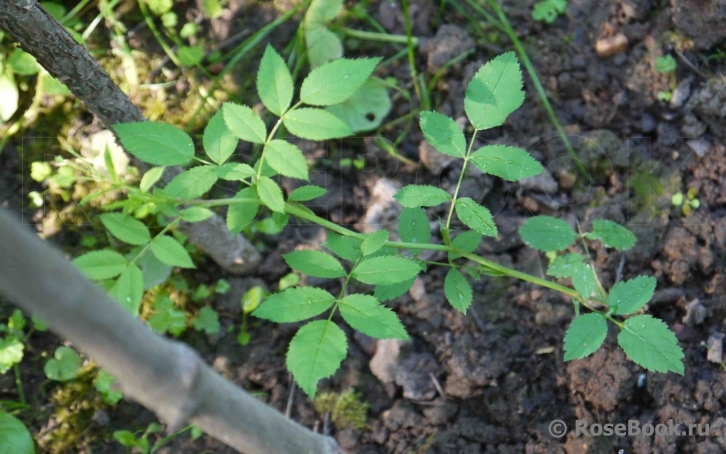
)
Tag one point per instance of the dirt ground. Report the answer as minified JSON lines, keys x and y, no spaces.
{"x":494,"y":380}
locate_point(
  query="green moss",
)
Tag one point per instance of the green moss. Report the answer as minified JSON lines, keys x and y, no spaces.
{"x":346,"y":409}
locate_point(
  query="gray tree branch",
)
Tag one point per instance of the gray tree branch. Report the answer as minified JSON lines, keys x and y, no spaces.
{"x":165,"y":376}
{"x":42,"y":36}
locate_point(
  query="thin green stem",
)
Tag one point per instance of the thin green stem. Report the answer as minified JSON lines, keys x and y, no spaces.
{"x":411,"y":55}
{"x":19,"y":384}
{"x":461,"y":178}
{"x":157,"y":34}
{"x":375,"y":36}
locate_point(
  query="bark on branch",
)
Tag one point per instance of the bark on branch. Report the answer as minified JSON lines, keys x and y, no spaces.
{"x":42,"y":36}
{"x":165,"y":376}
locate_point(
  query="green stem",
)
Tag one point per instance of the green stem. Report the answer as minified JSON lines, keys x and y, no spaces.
{"x":374,"y":36}
{"x":19,"y":384}
{"x":411,"y":56}
{"x":157,"y":34}
{"x":461,"y":178}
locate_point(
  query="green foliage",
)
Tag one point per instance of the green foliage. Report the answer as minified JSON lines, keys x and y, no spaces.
{"x":295,"y":304}
{"x":21,"y":62}
{"x":648,"y":342}
{"x":386,"y":269}
{"x":665,"y":64}
{"x":346,"y":409}
{"x":413,"y":227}
{"x":628,"y":297}
{"x":374,"y":242}
{"x":366,"y":109}
{"x":191,"y":183}
{"x":584,"y":280}
{"x":99,"y":265}
{"x":314,"y":263}
{"x":128,"y":289}
{"x":244,"y":123}
{"x":414,"y":195}
{"x":315,"y":353}
{"x":508,"y":163}
{"x":158,"y":144}
{"x":126,"y":228}
{"x":16,"y":438}
{"x":315,"y":124}
{"x":219,"y":142}
{"x":466,"y":242}
{"x":385,"y":292}
{"x":104,"y":384}
{"x":335,"y":82}
{"x":322,"y":44}
{"x":443,"y":134}
{"x":306,"y":193}
{"x":167,"y":319}
{"x":344,"y":247}
{"x":240,"y":215}
{"x":64,"y":365}
{"x":612,"y":235}
{"x":565,"y":265}
{"x":546,"y":233}
{"x":11,"y":353}
{"x":585,"y":335}
{"x":270,"y":194}
{"x":274,"y":82}
{"x":494,"y":92}
{"x":196,"y":214}
{"x":457,"y":290}
{"x":286,"y":159}
{"x":366,"y":314}
{"x":475,"y":216}
{"x":170,"y":252}
{"x":548,"y":10}
{"x":207,"y":320}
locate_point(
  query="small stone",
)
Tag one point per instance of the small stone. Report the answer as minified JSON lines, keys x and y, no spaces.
{"x":681,"y":93}
{"x":648,"y":123}
{"x":566,"y":179}
{"x":348,"y":438}
{"x":715,"y":348}
{"x":544,"y":182}
{"x":695,"y":313}
{"x":607,"y":47}
{"x":699,"y":146}
{"x":441,"y":413}
{"x":413,"y":376}
{"x":387,"y":359}
{"x":692,"y":127}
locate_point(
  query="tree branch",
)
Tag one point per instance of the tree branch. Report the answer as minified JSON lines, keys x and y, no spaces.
{"x":55,"y":49}
{"x":165,"y":376}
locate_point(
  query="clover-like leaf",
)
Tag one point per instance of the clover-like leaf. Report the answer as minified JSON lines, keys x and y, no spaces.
{"x":64,"y":365}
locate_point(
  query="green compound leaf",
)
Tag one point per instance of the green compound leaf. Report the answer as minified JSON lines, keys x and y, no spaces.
{"x":386,"y":269}
{"x":585,"y":335}
{"x":64,"y":365}
{"x":367,"y":315}
{"x":104,"y":384}
{"x":366,"y":109}
{"x":219,"y":142}
{"x":548,"y":10}
{"x":158,"y":144}
{"x":494,"y":92}
{"x":583,"y":279}
{"x":467,"y":242}
{"x":167,"y":318}
{"x":315,"y":124}
{"x":100,"y":265}
{"x":150,"y":178}
{"x":443,"y":133}
{"x":270,"y":194}
{"x":315,"y":353}
{"x":414,"y":227}
{"x":648,"y":342}
{"x":306,"y":193}
{"x":16,"y":438}
{"x":509,"y":163}
{"x":457,"y":290}
{"x":191,"y":183}
{"x":235,"y":171}
{"x":274,"y":82}
{"x":344,"y":247}
{"x":244,"y":123}
{"x":565,"y":265}
{"x":126,"y":228}
{"x":240,"y":215}
{"x":335,"y":82}
{"x":128,"y":289}
{"x":11,"y":353}
{"x":387,"y":292}
{"x":476,"y":217}
{"x":314,"y":263}
{"x":207,"y":320}
{"x":196,"y":214}
{"x":170,"y":252}
{"x":546,"y":233}
{"x":628,"y":297}
{"x":286,"y":159}
{"x":374,"y":242}
{"x":612,"y":235}
{"x":322,"y":44}
{"x":416,"y":195}
{"x":295,"y":304}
